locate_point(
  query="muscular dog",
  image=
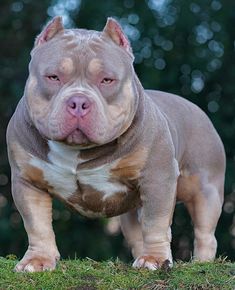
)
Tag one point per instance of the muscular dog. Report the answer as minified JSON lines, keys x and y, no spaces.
{"x":87,"y":132}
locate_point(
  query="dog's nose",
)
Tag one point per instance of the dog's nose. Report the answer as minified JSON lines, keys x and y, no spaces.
{"x":78,"y":106}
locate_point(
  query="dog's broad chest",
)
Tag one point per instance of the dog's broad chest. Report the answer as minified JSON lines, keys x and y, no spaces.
{"x":109,"y":189}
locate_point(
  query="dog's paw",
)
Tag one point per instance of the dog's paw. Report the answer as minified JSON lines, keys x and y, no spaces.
{"x":36,"y":263}
{"x":151,"y":263}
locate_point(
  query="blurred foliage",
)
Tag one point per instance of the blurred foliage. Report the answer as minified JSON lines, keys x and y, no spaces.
{"x":183,"y":47}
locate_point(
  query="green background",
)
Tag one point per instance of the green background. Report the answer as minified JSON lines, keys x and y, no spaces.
{"x":183,"y":47}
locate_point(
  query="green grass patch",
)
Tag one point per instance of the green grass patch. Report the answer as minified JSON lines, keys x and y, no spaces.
{"x":89,"y":275}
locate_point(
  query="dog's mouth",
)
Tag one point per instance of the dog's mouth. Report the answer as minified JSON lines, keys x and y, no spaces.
{"x":77,"y":137}
{"x":70,"y":135}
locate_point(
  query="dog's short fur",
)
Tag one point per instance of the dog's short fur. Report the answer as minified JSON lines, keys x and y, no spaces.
{"x":87,"y":133}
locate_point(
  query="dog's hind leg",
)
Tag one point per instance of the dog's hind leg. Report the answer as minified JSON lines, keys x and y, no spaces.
{"x":204,"y":203}
{"x":132,"y":232}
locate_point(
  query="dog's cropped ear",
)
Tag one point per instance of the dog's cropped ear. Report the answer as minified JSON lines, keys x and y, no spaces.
{"x":113,"y":30}
{"x":50,"y":30}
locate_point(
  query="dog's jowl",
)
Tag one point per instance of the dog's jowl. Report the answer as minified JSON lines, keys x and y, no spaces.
{"x":87,"y":133}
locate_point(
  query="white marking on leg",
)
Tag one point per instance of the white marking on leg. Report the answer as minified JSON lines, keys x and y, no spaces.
{"x":29,"y":268}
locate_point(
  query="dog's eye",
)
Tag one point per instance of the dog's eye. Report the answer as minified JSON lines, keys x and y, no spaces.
{"x":106,"y":81}
{"x":53,"y":78}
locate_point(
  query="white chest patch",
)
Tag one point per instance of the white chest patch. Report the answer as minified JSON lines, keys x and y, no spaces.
{"x":61,"y":172}
{"x":99,"y":178}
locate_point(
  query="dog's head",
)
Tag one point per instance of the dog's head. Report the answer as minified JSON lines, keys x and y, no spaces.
{"x":81,"y":87}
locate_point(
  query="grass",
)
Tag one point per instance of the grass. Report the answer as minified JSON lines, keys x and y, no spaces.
{"x":89,"y":275}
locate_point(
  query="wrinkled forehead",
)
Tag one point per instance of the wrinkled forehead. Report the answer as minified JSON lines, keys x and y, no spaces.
{"x":75,"y":50}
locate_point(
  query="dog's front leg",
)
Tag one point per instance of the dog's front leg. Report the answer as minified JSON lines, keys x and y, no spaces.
{"x":158,"y":194}
{"x":35,"y":207}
